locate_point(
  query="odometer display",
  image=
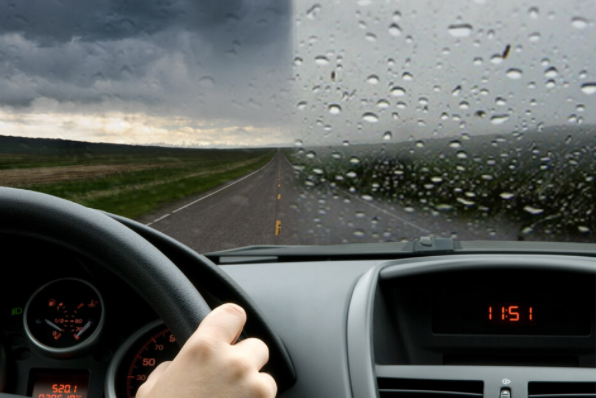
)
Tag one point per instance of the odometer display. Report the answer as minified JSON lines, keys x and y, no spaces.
{"x":138,"y":357}
{"x":59,"y":383}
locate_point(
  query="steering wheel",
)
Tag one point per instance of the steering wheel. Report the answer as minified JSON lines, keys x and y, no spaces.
{"x":114,"y":246}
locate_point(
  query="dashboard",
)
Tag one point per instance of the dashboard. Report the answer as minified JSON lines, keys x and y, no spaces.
{"x":62,"y":321}
{"x":473,"y":325}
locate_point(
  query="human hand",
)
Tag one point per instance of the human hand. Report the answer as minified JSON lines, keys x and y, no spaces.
{"x":211,"y":365}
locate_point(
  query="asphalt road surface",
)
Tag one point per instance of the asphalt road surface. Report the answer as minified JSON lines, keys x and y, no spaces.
{"x":252,"y":210}
{"x":270,"y":207}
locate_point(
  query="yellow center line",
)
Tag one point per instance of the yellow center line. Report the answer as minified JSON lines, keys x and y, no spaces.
{"x":278,"y":196}
{"x":277,"y":227}
{"x":278,"y":185}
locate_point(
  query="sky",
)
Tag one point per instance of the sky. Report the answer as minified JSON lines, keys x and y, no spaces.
{"x":273,"y":72}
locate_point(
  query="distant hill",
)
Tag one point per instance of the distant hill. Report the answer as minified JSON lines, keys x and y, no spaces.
{"x":51,"y":146}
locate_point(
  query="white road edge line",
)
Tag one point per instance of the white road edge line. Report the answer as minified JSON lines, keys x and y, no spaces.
{"x":212,"y":193}
{"x":372,"y":205}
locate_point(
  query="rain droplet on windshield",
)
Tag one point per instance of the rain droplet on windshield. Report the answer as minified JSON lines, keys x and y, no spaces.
{"x":460,"y":30}
{"x":387,"y":136}
{"x":579,"y":23}
{"x":313,"y":11}
{"x":321,"y":60}
{"x":394,"y":30}
{"x":534,"y":37}
{"x":533,"y":12}
{"x":334,"y":109}
{"x":589,"y":88}
{"x":372,"y":79}
{"x":551,"y":72}
{"x":359,"y":233}
{"x":499,"y":119}
{"x":370,"y":117}
{"x":514,"y":73}
{"x":533,"y":210}
{"x":383,"y":104}
{"x":398,"y":91}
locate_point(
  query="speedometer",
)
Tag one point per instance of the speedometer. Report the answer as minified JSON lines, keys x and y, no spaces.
{"x":138,"y":356}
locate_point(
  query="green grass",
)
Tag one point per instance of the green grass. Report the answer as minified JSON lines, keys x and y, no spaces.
{"x":134,"y":194}
{"x":162,"y":174}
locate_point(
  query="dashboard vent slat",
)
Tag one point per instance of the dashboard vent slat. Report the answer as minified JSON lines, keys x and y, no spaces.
{"x":562,"y":390}
{"x":423,"y":394}
{"x":420,"y":388}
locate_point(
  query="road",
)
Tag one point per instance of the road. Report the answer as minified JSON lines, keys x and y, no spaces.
{"x":252,"y":210}
{"x":270,"y":207}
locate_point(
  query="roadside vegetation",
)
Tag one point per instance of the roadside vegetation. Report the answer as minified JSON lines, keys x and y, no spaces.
{"x":125,"y":180}
{"x":542,"y":181}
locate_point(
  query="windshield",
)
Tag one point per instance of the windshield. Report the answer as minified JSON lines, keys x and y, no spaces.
{"x":228,"y":123}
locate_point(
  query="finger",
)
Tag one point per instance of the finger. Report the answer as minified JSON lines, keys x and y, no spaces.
{"x":270,"y":383}
{"x":255,"y":350}
{"x":223,"y":324}
{"x":154,"y":376}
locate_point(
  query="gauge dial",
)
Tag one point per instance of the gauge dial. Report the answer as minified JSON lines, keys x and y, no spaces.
{"x":138,"y":357}
{"x":64,"y":316}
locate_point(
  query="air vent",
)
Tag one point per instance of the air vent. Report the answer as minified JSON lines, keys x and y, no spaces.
{"x":421,"y":388}
{"x":561,"y":390}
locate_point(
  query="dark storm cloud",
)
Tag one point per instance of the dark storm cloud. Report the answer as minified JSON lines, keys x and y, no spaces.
{"x":48,"y":21}
{"x":198,"y":58}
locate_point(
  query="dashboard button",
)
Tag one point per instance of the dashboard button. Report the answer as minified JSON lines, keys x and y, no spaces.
{"x":505,"y":393}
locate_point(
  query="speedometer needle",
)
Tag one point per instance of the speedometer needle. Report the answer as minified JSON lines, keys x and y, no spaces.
{"x":54,"y":326}
{"x":87,"y":326}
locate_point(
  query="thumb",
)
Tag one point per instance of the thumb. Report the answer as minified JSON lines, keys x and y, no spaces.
{"x":224,"y":324}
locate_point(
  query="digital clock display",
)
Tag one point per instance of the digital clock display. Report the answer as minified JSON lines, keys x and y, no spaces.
{"x":59,"y":384}
{"x":513,"y":314}
{"x":498,"y":310}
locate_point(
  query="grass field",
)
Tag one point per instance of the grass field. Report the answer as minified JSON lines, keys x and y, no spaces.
{"x":125,"y":180}
{"x":543,"y":181}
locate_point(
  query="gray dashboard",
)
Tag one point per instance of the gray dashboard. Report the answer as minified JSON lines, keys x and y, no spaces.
{"x":307,"y":305}
{"x":327,"y":314}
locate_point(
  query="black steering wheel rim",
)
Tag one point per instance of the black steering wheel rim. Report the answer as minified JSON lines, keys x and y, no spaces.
{"x":114,"y":246}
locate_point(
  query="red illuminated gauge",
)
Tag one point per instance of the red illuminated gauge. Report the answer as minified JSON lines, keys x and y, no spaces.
{"x":64,"y":316}
{"x":138,"y":357}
